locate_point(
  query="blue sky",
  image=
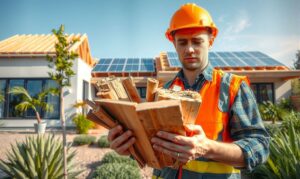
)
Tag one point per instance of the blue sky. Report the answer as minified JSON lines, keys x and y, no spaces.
{"x":135,"y":28}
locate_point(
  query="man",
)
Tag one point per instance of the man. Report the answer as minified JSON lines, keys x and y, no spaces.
{"x":228,"y":134}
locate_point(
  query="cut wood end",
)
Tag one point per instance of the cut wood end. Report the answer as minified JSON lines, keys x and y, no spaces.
{"x":186,"y":95}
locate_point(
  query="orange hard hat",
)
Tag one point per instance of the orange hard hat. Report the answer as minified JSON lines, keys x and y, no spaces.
{"x":191,"y":16}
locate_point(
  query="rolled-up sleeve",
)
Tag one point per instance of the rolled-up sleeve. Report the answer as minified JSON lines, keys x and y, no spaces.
{"x":247,"y":129}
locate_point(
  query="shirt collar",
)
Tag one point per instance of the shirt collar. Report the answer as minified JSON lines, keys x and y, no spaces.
{"x":207,"y":73}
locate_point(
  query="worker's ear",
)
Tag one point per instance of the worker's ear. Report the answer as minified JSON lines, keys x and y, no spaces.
{"x":211,"y":41}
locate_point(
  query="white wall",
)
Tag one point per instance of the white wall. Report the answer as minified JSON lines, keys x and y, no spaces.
{"x":282,"y":90}
{"x":38,"y":68}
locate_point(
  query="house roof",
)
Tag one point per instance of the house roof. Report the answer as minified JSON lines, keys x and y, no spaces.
{"x":227,"y":61}
{"x":28,"y":45}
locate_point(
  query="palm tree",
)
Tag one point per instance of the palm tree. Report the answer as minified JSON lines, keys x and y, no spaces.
{"x":31,"y":102}
{"x":1,"y":98}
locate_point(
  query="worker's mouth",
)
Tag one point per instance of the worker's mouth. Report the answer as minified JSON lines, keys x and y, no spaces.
{"x":190,"y":59}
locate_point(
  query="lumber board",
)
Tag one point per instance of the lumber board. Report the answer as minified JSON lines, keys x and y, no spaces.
{"x":152,"y":85}
{"x":131,"y":90}
{"x":125,"y":113}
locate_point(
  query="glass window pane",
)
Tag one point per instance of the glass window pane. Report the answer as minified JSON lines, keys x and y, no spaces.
{"x":53,"y":100}
{"x":266,"y":92}
{"x":34,"y":87}
{"x":2,"y":93}
{"x":14,"y":99}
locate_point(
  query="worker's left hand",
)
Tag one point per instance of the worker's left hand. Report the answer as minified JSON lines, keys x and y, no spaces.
{"x":182,"y":148}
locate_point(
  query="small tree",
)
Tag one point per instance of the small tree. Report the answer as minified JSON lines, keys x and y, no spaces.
{"x":297,"y":61}
{"x":62,"y":63}
{"x":32,"y":102}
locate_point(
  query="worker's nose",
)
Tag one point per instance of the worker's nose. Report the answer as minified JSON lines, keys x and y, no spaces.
{"x":190,"y":49}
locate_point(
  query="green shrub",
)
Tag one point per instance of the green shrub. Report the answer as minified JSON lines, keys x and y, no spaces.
{"x":284,"y":159}
{"x":117,"y":171}
{"x":272,"y":112}
{"x":115,"y":166}
{"x":84,"y":140}
{"x":103,"y":142}
{"x":38,"y":157}
{"x":113,"y":157}
{"x":292,"y":119}
{"x":82,"y":123}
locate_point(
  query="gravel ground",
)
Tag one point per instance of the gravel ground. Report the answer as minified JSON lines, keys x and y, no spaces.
{"x":88,"y":157}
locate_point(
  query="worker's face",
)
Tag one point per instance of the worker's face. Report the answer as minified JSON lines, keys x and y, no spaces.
{"x":192,"y":47}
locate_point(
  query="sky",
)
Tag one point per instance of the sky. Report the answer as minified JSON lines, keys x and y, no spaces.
{"x":136,"y":28}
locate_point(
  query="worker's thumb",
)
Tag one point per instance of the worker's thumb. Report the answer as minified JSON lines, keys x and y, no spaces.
{"x":192,"y":129}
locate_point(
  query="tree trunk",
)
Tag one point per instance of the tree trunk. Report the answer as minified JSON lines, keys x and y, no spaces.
{"x":63,"y":125}
{"x":38,"y":117}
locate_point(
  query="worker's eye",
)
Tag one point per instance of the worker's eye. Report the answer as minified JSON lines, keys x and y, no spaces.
{"x":197,"y":42}
{"x":182,"y":43}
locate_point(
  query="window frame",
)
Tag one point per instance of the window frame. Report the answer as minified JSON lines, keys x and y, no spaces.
{"x":24,"y":115}
{"x":258,"y":96}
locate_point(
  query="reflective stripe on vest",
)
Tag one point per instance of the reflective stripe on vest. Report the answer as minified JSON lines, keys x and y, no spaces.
{"x":213,"y":121}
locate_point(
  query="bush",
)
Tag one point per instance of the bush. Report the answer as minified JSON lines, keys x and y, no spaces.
{"x":272,"y":112}
{"x":115,"y":166}
{"x":103,"y":142}
{"x":292,"y":119}
{"x":284,"y":159}
{"x":82,"y":123}
{"x":38,"y":157}
{"x":84,"y":140}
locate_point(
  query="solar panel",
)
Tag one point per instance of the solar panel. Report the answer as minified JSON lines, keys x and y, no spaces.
{"x":147,"y":65}
{"x":234,"y":59}
{"x":125,"y":64}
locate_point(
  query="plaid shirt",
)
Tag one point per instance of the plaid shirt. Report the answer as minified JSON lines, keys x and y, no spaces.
{"x":247,"y":129}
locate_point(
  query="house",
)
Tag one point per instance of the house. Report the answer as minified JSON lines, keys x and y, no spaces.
{"x":270,"y":79}
{"x":23,"y":63}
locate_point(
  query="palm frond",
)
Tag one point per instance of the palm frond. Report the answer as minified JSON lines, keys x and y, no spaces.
{"x":43,"y":94}
{"x":1,"y":98}
{"x":18,"y":90}
{"x":24,"y":106}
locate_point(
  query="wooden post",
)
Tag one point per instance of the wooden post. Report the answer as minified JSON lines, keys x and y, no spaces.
{"x":152,"y":85}
{"x":131,"y":90}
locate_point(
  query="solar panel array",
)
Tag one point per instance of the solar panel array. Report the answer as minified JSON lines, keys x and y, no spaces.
{"x":233,"y":59}
{"x":125,"y":65}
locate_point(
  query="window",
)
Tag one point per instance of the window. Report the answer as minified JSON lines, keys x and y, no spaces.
{"x":2,"y":93}
{"x":33,"y":86}
{"x":53,"y":100}
{"x":85,"y":94}
{"x":13,"y":100}
{"x":142,"y":91}
{"x":263,"y":92}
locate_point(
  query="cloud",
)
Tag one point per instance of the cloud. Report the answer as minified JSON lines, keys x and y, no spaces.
{"x":236,"y":25}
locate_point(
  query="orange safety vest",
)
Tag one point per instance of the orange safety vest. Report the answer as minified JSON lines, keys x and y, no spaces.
{"x":214,"y":122}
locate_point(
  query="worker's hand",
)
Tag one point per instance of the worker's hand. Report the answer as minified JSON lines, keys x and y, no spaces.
{"x":119,"y":141}
{"x":182,"y":148}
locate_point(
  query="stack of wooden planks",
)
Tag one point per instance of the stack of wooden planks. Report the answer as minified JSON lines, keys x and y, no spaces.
{"x":120,"y":104}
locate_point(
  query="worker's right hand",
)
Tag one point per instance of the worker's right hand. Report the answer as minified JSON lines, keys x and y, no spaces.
{"x":120,"y":141}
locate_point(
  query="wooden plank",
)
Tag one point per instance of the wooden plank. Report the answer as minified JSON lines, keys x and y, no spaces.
{"x":161,"y":116}
{"x":117,"y":86}
{"x":100,"y":116}
{"x":152,"y":85}
{"x":190,"y":102}
{"x":131,"y":90}
{"x":125,"y":113}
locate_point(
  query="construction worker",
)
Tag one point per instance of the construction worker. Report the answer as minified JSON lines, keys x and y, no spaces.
{"x":228,"y":134}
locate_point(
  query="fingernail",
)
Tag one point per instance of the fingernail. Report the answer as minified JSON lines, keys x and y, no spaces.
{"x":154,"y":146}
{"x":119,"y":127}
{"x":153,"y":140}
{"x":159,"y":133}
